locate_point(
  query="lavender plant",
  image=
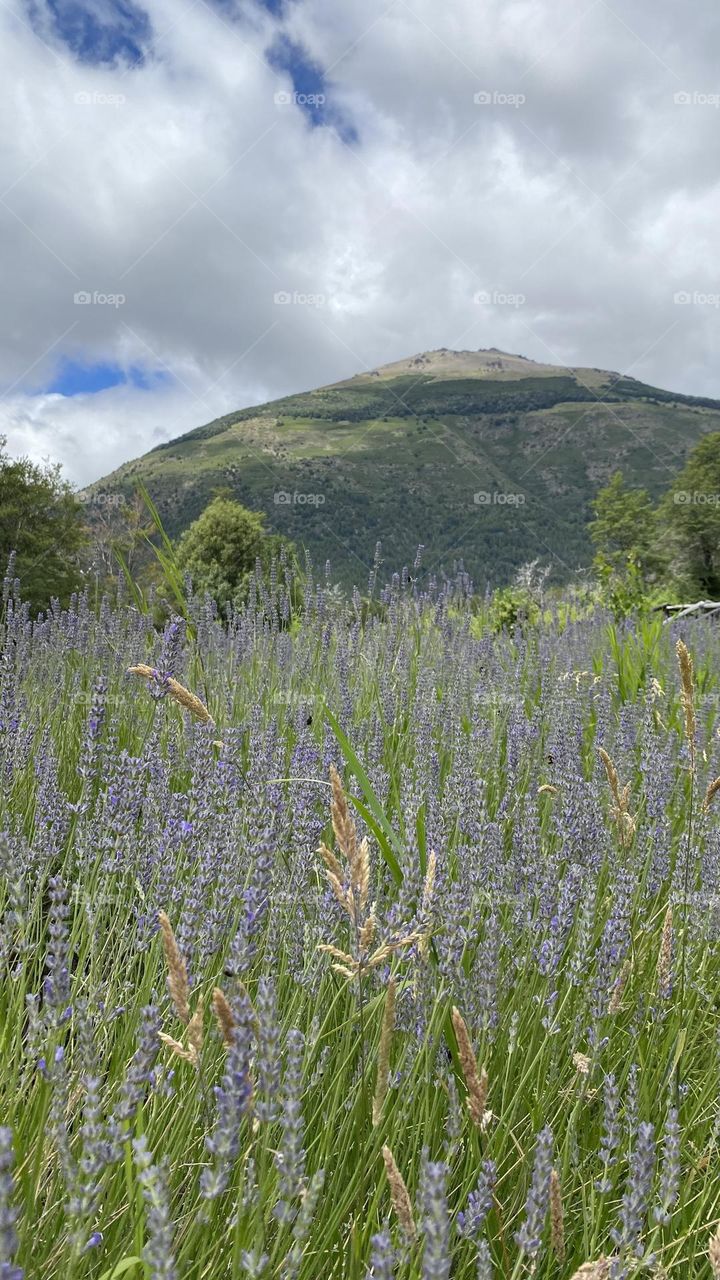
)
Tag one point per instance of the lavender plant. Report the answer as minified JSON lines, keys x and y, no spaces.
{"x":473,"y":1036}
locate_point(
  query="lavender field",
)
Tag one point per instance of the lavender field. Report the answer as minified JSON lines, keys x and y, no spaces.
{"x":358,"y":942}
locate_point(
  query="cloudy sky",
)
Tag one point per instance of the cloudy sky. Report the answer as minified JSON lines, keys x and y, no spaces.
{"x":208,"y":203}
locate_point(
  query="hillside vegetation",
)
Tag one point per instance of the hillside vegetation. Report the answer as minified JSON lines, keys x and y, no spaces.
{"x":476,"y":455}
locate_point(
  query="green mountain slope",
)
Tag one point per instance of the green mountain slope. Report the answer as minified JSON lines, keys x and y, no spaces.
{"x":481,"y":455}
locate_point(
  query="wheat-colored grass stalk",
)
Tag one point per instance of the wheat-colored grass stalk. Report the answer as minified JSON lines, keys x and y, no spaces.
{"x":687,"y":682}
{"x":476,"y":1082}
{"x":195,"y":1029}
{"x":350,"y":967}
{"x":599,"y":1270}
{"x":557,"y":1222}
{"x":189,"y":1054}
{"x":353,"y":898}
{"x":399,"y":1195}
{"x":710,"y":794}
{"x":223,"y":1016}
{"x":177,"y":973}
{"x":177,"y":692}
{"x":383,"y":1066}
{"x":714,"y":1254}
{"x":619,"y":989}
{"x":621,"y":799}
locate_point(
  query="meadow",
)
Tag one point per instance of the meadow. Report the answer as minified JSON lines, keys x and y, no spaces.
{"x":357,"y":942}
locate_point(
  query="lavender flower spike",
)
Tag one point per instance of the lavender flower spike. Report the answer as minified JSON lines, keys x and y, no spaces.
{"x":158,"y":1252}
{"x":382,"y":1257}
{"x":8,"y":1213}
{"x":436,"y":1223}
{"x":529,"y":1237}
{"x":670,"y":1171}
{"x":637,"y":1194}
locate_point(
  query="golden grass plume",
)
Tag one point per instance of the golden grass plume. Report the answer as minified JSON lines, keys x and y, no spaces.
{"x":223,"y":1016}
{"x":557,"y":1222}
{"x":476,"y":1082}
{"x":687,"y":683}
{"x":399,"y":1195}
{"x":383,"y":1066}
{"x":177,"y":692}
{"x":178,"y":985}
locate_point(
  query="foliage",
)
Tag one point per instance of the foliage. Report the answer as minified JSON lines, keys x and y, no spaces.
{"x":624,"y":530}
{"x":566,"y":909}
{"x":692,"y":512}
{"x":479,"y":468}
{"x":41,"y":520}
{"x":220,"y":550}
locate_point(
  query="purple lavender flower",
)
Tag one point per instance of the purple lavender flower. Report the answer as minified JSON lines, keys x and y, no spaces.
{"x":435,"y":1221}
{"x":233,"y":1096}
{"x":636,"y":1199}
{"x":302,"y":1225}
{"x":87,"y":768}
{"x":484,"y":1262}
{"x":470,"y":1221}
{"x":158,"y":1251}
{"x":96,"y":1148}
{"x":382,"y":1257}
{"x":612,"y":1131}
{"x":670,"y":1169}
{"x":8,"y":1213}
{"x":529,"y":1237}
{"x":268,"y":1060}
{"x":56,"y":987}
{"x":290,"y":1158}
{"x":253,"y":1263}
{"x":140,"y":1075}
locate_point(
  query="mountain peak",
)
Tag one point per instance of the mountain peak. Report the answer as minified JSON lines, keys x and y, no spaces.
{"x":486,"y":362}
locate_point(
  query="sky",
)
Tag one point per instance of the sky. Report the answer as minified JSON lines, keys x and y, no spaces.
{"x":205,"y":204}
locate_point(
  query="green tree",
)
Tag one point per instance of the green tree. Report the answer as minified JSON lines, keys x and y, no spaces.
{"x":691,"y":511}
{"x":624,"y":528}
{"x":42,"y":520}
{"x":220,"y":549}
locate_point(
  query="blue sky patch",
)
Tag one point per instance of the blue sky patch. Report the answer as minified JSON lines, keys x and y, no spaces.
{"x":73,"y":378}
{"x":118,"y":33}
{"x":310,"y":89}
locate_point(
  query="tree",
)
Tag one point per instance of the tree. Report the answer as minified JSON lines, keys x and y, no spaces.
{"x":41,"y":519}
{"x":221,"y":547}
{"x":692,"y":513}
{"x":624,"y":529}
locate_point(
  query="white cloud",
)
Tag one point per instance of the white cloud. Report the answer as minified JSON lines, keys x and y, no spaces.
{"x":199,"y":198}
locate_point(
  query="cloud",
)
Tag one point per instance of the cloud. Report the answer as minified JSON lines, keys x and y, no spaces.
{"x":564,"y":153}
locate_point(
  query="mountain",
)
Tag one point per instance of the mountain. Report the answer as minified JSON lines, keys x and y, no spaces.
{"x":475,"y":454}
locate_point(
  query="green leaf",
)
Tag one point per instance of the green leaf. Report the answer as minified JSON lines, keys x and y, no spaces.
{"x":121,"y":1268}
{"x":388,"y":841}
